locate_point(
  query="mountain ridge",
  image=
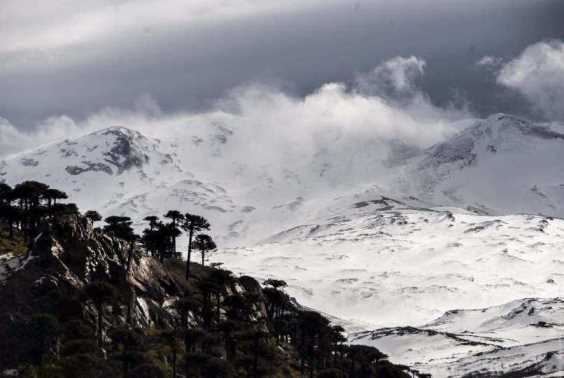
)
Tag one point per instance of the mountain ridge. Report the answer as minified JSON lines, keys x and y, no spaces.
{"x":418,"y":238}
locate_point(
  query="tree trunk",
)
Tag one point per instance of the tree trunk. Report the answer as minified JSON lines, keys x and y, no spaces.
{"x":311,"y":360}
{"x":187,"y":347}
{"x":174,"y":237}
{"x":189,"y":253}
{"x":125,"y":367}
{"x":255,"y":359}
{"x":174,"y":363}
{"x":100,"y":324}
{"x":218,"y":308}
{"x":129,"y":257}
{"x":184,"y":320}
{"x":132,"y":300}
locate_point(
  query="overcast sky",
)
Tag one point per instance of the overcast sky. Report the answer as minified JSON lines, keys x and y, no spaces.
{"x":74,"y":58}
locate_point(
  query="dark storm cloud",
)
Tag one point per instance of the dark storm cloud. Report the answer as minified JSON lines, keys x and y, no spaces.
{"x":186,"y":63}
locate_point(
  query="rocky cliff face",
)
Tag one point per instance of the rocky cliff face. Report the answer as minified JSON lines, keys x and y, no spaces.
{"x":67,"y":257}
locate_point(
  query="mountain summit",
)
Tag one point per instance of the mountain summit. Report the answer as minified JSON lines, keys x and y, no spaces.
{"x":500,"y":165}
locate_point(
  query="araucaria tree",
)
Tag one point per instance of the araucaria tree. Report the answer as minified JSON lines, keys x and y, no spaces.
{"x":8,"y":213}
{"x":93,"y":216}
{"x":193,"y":224}
{"x":176,"y":217}
{"x":158,"y":238}
{"x":29,"y":204}
{"x":99,"y":293}
{"x":204,"y":243}
{"x":121,"y":228}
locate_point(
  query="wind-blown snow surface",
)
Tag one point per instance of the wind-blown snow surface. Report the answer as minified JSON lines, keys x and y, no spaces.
{"x":523,"y":336}
{"x":407,"y":266}
{"x":388,"y":237}
{"x":385,"y":263}
{"x":501,"y":165}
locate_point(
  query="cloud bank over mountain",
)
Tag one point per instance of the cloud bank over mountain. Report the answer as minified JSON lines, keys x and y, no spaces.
{"x":73,"y":58}
{"x":538,"y":74}
{"x":384,"y":104}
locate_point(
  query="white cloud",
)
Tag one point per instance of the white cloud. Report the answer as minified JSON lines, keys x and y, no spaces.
{"x":394,"y":78}
{"x":490,"y":62}
{"x":31,"y":25}
{"x":538,"y":73}
{"x":272,"y":128}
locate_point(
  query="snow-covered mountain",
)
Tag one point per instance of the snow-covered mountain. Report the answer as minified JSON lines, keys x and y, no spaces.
{"x":389,"y":240}
{"x":520,"y":337}
{"x":386,"y":263}
{"x":120,"y":171}
{"x":500,"y":165}
{"x":98,"y":170}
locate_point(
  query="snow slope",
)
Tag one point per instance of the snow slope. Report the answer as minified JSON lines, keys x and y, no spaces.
{"x":521,"y":335}
{"x":97,"y":170}
{"x":386,"y":263}
{"x":500,"y":165}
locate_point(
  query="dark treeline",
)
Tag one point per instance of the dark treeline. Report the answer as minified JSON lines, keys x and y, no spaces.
{"x":27,"y":204}
{"x":221,"y":325}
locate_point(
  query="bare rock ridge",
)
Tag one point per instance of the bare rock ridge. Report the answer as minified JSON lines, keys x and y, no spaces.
{"x":61,"y":263}
{"x":492,"y":135}
{"x":125,"y":149}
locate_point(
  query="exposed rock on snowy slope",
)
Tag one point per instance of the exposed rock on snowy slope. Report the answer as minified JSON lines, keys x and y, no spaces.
{"x":520,"y":336}
{"x":501,"y":165}
{"x":97,"y":169}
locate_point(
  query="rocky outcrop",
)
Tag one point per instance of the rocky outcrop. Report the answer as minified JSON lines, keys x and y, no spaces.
{"x":68,"y":256}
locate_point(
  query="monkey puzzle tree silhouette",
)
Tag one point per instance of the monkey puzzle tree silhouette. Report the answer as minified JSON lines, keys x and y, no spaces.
{"x":170,"y":339}
{"x":52,"y":195}
{"x":130,"y":342}
{"x":153,"y":221}
{"x":204,"y":243}
{"x":121,"y":228}
{"x":5,"y":193}
{"x":175,"y":216}
{"x":93,"y":216}
{"x":99,"y":293}
{"x":221,"y":280}
{"x":29,"y":195}
{"x":312,"y":326}
{"x":192,"y":224}
{"x":158,"y":239}
{"x":44,"y":330}
{"x":8,"y":213}
{"x":277,"y":284}
{"x":170,"y":232}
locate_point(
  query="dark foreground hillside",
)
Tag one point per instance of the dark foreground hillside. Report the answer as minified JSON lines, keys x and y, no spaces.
{"x":79,"y":302}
